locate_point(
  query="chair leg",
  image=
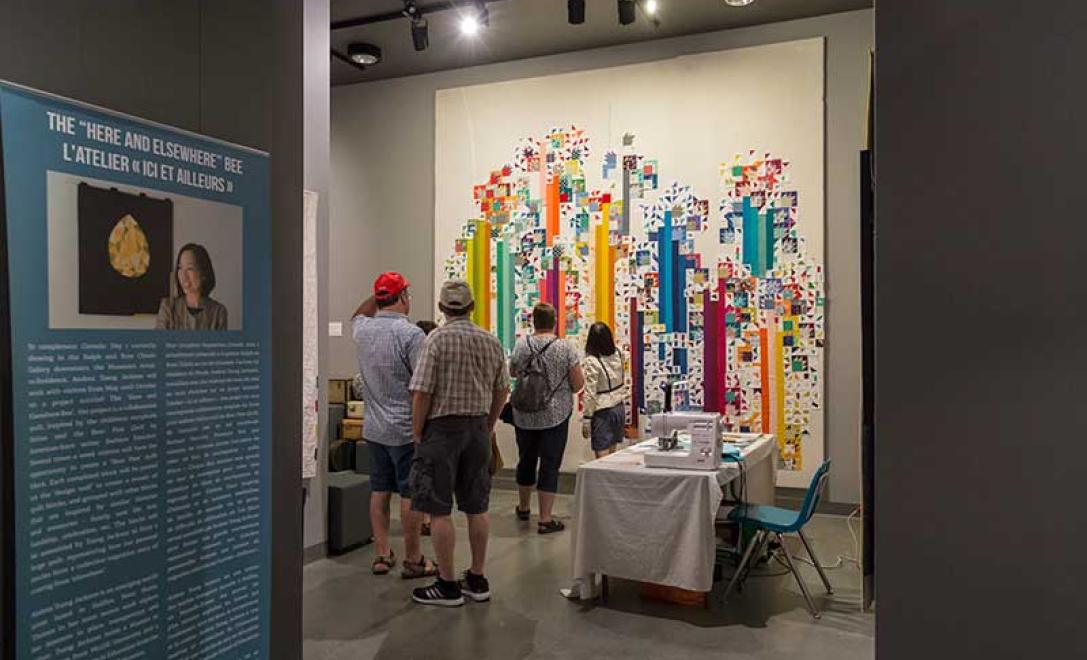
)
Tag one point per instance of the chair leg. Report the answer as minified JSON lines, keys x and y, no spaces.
{"x":815,"y":560}
{"x":752,"y":544}
{"x":796,"y":574}
{"x":760,"y":550}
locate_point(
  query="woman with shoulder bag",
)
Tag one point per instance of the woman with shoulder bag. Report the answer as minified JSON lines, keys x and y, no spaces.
{"x":605,"y":377}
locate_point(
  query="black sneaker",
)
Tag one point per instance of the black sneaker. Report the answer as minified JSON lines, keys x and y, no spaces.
{"x":475,"y":587}
{"x":441,"y":593}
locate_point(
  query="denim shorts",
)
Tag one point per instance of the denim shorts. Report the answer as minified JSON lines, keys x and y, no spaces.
{"x":390,"y":468}
{"x":607,"y":427}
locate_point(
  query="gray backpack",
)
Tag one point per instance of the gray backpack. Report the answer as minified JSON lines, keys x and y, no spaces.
{"x":533,"y":389}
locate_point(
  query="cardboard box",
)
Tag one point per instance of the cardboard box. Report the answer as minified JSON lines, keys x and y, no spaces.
{"x":337,"y":390}
{"x":674,"y":595}
{"x":354,"y":409}
{"x":351,"y":429}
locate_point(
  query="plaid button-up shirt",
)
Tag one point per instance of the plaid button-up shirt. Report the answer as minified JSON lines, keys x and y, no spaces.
{"x":388,"y":349}
{"x":461,"y":367}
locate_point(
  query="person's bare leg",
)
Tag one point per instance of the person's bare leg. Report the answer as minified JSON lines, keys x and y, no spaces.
{"x":547,"y":501}
{"x":412,"y":522}
{"x":601,"y":454}
{"x":443,"y":536}
{"x":524,"y":495}
{"x":379,"y":516}
{"x":479,"y":528}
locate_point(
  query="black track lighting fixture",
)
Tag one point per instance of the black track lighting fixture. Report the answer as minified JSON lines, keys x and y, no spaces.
{"x":364,"y":54}
{"x":627,"y":11}
{"x":575,"y":11}
{"x":420,"y":34}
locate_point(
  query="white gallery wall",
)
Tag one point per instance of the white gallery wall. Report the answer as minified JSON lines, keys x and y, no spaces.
{"x":383,"y":199}
{"x":689,"y":116}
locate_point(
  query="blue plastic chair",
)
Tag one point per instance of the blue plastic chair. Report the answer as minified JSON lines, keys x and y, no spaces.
{"x":771,"y":521}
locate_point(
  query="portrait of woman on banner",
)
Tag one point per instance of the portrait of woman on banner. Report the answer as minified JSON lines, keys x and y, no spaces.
{"x":191,"y":307}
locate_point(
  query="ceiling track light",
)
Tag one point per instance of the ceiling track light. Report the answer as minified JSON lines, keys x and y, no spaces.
{"x":475,"y":19}
{"x":420,"y":34}
{"x":627,"y":11}
{"x":575,"y":12}
{"x":364,"y":54}
{"x":738,"y":3}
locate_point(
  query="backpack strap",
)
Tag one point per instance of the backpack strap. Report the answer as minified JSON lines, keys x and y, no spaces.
{"x":611,"y":386}
{"x":539,"y":353}
{"x":606,"y":375}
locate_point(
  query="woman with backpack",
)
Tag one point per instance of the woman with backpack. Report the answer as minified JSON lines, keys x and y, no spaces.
{"x":548,"y":375}
{"x":605,"y":414}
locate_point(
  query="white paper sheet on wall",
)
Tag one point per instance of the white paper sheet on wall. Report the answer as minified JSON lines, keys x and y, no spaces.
{"x":309,"y":334}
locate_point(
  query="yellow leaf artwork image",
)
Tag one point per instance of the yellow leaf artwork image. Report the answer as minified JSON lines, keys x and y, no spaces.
{"x":129,"y":253}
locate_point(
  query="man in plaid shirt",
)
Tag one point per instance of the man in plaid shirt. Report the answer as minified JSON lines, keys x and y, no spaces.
{"x":459,"y":387}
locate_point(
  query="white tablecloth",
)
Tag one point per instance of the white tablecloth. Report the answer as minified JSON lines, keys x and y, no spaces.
{"x":656,"y":524}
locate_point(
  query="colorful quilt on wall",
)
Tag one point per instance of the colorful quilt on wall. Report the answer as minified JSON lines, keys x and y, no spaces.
{"x":715,"y":292}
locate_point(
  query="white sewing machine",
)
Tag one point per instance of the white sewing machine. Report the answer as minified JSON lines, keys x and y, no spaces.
{"x":687,"y":440}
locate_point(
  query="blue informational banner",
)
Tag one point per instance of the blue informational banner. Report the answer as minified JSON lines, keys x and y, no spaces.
{"x":139,"y":282}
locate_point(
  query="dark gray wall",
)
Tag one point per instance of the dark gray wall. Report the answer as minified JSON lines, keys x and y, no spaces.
{"x":383,"y":191}
{"x":231,"y":69}
{"x":980,"y":532}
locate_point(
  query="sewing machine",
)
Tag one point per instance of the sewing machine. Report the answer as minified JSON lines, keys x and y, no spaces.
{"x":687,"y":440}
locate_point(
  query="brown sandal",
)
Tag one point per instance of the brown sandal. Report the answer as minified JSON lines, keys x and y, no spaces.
{"x":549,"y":527}
{"x":386,"y":564}
{"x":418,"y":569}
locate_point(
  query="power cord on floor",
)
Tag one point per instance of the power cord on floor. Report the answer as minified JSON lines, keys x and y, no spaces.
{"x":842,"y":559}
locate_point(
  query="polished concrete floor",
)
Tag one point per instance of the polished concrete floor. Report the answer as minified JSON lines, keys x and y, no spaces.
{"x":351,"y":614}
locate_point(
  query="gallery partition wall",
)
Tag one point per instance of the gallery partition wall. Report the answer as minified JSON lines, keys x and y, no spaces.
{"x":979,"y":290}
{"x":233,"y":71}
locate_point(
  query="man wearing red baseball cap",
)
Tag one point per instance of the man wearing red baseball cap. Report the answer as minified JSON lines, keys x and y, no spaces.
{"x":388,"y":347}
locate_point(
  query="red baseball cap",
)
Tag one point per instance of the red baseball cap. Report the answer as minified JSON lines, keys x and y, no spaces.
{"x":389,"y":285}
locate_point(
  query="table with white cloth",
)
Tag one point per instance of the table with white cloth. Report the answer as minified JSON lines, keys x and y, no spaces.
{"x":653,"y":524}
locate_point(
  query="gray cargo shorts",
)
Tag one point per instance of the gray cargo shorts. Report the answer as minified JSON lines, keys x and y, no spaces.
{"x":453,"y":458}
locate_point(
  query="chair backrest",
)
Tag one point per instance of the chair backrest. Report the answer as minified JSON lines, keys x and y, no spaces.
{"x":814,"y":494}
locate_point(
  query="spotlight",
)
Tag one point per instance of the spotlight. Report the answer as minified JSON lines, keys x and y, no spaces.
{"x":575,"y":11}
{"x":475,"y":19}
{"x":419,"y":35}
{"x":364,"y":54}
{"x":469,"y":25}
{"x":738,"y":3}
{"x":650,"y":7}
{"x":626,"y":11}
